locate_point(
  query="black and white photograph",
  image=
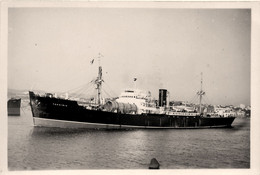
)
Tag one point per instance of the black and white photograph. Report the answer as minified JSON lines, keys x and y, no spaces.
{"x":129,"y":86}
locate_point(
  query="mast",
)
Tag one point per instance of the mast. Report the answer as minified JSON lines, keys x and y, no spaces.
{"x":201,"y":92}
{"x":99,"y":84}
{"x":99,"y":81}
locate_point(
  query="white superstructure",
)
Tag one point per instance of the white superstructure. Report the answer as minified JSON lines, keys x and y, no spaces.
{"x":142,"y":99}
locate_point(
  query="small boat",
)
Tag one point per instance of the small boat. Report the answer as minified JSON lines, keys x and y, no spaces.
{"x":13,"y":106}
{"x":133,"y":109}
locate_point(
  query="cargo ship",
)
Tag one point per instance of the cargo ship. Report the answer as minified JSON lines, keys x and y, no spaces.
{"x":133,"y":109}
{"x":13,"y":106}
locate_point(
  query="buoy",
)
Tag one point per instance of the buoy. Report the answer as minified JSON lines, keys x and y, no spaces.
{"x":154,"y":164}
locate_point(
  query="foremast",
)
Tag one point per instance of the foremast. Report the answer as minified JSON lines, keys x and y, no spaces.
{"x":98,"y":82}
{"x":201,"y":92}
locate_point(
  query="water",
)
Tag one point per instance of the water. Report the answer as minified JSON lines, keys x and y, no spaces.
{"x":40,"y":148}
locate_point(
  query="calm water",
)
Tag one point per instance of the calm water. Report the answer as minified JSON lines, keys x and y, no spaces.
{"x":40,"y":148}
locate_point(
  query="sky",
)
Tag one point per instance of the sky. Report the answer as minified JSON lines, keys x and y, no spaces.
{"x":51,"y":49}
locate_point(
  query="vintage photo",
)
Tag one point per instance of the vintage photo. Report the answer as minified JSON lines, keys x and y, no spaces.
{"x":103,"y":87}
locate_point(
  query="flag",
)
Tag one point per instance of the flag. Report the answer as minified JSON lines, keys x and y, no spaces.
{"x":92,"y":61}
{"x":135,"y":79}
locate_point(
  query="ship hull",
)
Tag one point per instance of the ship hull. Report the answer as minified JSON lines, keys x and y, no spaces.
{"x":13,"y":107}
{"x":54,"y":112}
{"x":42,"y":122}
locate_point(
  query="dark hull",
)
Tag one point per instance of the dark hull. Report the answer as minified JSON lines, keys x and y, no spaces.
{"x":56,"y":112}
{"x":13,"y":106}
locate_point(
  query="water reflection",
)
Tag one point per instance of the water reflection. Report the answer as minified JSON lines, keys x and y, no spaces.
{"x":31,"y":147}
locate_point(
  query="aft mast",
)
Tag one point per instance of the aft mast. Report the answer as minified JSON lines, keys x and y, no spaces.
{"x":201,"y":92}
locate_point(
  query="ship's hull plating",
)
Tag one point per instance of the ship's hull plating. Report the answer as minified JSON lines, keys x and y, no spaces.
{"x":54,"y":112}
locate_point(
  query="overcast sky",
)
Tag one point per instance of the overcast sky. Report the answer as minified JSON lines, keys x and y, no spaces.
{"x":51,"y":48}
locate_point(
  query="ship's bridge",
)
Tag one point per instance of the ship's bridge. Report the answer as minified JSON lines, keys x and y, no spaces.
{"x":141,"y":98}
{"x":136,"y":93}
